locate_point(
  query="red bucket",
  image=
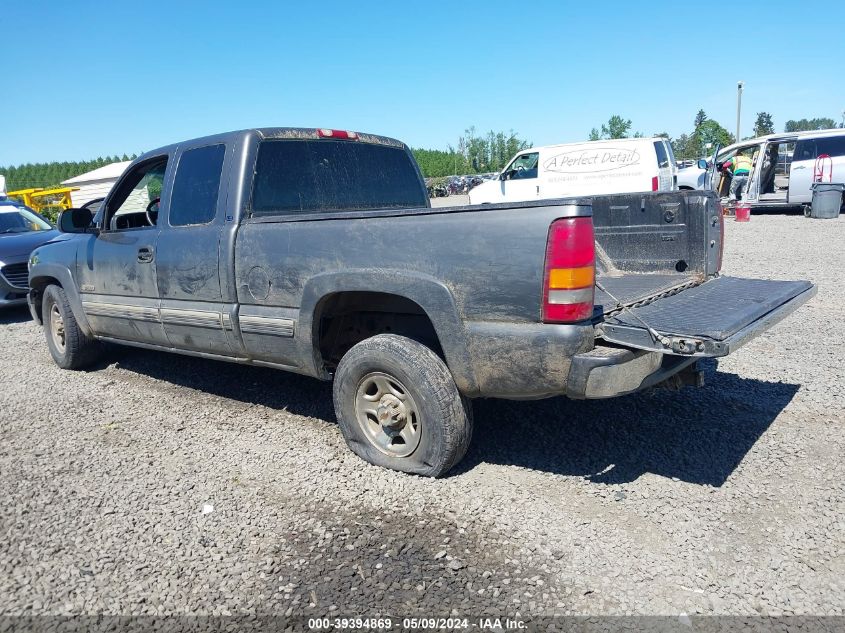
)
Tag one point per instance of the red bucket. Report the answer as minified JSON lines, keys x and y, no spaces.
{"x":743,"y":213}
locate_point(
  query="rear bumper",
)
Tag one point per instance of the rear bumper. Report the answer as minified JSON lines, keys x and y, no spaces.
{"x":533,"y":361}
{"x":607,"y":372}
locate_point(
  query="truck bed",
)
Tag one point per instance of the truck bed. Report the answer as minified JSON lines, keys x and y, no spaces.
{"x":652,"y":244}
{"x":630,"y":289}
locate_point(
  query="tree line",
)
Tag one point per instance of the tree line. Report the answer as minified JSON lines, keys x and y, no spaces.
{"x":707,"y":132}
{"x":474,"y":154}
{"x":47,"y":175}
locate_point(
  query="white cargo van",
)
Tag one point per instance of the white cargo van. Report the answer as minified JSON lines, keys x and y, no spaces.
{"x":624,"y":165}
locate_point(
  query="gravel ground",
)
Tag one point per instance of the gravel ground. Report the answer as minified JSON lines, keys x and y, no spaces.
{"x":160,"y":484}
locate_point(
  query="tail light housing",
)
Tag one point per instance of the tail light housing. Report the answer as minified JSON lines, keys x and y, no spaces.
{"x":655,"y":183}
{"x":570,"y":273}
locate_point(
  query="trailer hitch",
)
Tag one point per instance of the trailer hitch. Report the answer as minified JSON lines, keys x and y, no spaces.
{"x":692,"y":376}
{"x":686,"y":345}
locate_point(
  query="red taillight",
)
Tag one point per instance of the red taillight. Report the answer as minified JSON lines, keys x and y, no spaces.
{"x":569,"y":280}
{"x":339,"y":134}
{"x":655,"y":183}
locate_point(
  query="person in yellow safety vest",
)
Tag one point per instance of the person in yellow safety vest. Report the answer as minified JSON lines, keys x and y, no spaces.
{"x":740,"y":169}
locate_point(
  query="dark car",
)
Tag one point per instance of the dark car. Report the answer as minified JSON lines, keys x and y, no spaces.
{"x":21,"y":231}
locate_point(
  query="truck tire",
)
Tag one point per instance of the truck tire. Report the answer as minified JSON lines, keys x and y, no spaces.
{"x":69,"y":346}
{"x":398,"y":406}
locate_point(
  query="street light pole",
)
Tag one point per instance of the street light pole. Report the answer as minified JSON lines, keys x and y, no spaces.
{"x":739,"y":86}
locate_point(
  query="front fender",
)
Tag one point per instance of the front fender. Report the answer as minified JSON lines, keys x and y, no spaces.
{"x":430,"y":294}
{"x":43,"y":274}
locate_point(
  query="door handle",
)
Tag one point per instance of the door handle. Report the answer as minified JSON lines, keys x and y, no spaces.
{"x":797,"y":167}
{"x":145,"y":255}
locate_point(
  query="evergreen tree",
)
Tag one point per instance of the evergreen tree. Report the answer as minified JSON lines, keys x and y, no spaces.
{"x":802,"y":125}
{"x":764,"y":124}
{"x":44,"y":175}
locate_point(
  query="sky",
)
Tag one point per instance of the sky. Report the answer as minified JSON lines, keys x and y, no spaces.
{"x":87,"y":79}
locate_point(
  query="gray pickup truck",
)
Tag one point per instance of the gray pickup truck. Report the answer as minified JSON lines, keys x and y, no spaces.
{"x":316,"y":251}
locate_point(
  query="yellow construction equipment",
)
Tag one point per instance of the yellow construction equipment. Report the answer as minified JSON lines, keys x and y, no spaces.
{"x":39,"y":199}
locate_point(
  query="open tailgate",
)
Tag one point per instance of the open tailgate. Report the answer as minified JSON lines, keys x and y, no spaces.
{"x":711,"y":319}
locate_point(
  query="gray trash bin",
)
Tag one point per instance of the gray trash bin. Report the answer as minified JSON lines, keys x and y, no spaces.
{"x":827,"y":198}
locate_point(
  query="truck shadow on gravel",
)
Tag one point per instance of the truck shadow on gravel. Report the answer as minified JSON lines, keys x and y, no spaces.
{"x":696,"y":435}
{"x":16,"y":314}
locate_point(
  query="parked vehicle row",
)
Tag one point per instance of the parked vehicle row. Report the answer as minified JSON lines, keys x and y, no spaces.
{"x":452,"y":185}
{"x":21,"y":231}
{"x":317,"y":251}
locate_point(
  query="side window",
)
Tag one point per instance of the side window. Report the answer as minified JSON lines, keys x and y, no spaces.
{"x":831,"y":145}
{"x":668,"y":146}
{"x":662,"y":156}
{"x":785,"y":152}
{"x":523,"y":166}
{"x":135,"y":203}
{"x":197,"y":183}
{"x":805,"y":150}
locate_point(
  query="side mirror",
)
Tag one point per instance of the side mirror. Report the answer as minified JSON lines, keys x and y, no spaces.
{"x":702,"y":164}
{"x":505,"y":175}
{"x":76,"y":221}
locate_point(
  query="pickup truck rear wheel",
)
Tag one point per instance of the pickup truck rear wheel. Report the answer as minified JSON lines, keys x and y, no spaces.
{"x":68,"y":345}
{"x":398,"y":406}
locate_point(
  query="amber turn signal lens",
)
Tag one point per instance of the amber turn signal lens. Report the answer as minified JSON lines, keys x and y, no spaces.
{"x":565,"y":278}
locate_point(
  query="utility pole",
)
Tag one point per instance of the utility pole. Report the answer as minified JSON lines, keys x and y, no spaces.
{"x":739,"y":86}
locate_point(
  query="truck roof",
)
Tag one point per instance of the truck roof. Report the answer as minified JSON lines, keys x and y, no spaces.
{"x":277,"y":133}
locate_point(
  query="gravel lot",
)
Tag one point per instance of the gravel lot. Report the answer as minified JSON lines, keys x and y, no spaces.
{"x":726,"y":499}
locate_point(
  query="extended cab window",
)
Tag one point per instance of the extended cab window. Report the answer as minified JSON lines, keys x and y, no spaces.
{"x":523,"y":166}
{"x":302,"y":176}
{"x":197,"y":183}
{"x":135,"y":202}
